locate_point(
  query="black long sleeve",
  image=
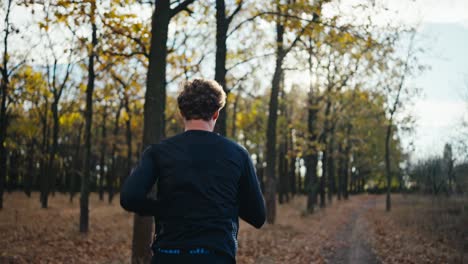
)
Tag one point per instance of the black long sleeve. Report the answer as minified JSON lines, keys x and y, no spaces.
{"x":251,"y":202}
{"x":134,"y":193}
{"x":205,"y":183}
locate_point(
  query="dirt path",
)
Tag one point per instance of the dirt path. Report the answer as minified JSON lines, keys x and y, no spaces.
{"x":351,"y":241}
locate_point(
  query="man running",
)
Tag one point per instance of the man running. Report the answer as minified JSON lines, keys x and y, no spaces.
{"x":205,"y":183}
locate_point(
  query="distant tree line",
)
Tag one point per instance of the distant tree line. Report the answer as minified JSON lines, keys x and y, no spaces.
{"x":440,"y":175}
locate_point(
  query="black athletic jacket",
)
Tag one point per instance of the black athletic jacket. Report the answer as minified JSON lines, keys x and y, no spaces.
{"x":205,"y":182}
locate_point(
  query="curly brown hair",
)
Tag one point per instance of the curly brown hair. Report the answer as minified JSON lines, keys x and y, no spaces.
{"x":200,"y":99}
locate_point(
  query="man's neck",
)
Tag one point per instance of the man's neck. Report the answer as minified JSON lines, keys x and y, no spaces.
{"x":198,"y":124}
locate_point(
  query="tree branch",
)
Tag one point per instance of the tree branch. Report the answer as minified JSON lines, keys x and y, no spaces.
{"x":234,"y":13}
{"x":249,"y":59}
{"x":182,"y":6}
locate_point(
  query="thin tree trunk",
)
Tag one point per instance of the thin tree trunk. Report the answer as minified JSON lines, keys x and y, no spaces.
{"x":331,"y":165}
{"x":77,"y":163}
{"x":390,"y":125}
{"x":44,"y":179}
{"x":84,"y":199}
{"x":31,"y":169}
{"x":270,"y":184}
{"x":129,"y":140}
{"x":234,"y":116}
{"x":347,"y":154}
{"x":111,"y":174}
{"x":324,"y":139}
{"x":3,"y":130}
{"x":281,"y":169}
{"x":388,"y":206}
{"x":322,"y":179}
{"x":339,"y":192}
{"x":103,"y":153}
{"x":53,"y":151}
{"x":260,"y":172}
{"x":13,"y":171}
{"x":285,"y":172}
{"x":292,"y":165}
{"x":300,"y":187}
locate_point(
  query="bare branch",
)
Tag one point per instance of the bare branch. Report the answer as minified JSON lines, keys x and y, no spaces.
{"x":234,"y":13}
{"x":181,"y":7}
{"x":249,"y":59}
{"x":250,"y":19}
{"x":14,"y":68}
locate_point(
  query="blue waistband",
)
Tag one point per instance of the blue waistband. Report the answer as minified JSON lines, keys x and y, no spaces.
{"x":191,"y":251}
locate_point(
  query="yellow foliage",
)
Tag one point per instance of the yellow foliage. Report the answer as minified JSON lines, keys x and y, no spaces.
{"x":69,"y":119}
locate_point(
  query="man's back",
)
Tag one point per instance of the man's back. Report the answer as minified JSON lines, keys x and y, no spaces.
{"x":205,"y":182}
{"x":200,"y":173}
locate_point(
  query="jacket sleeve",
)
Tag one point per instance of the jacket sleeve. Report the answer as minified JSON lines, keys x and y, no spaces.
{"x":134,"y":193}
{"x":251,"y":202}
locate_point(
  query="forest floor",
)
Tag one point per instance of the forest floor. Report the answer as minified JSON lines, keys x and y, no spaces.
{"x":354,"y":231}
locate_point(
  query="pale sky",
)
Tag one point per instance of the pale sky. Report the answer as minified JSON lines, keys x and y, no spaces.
{"x":444,"y":31}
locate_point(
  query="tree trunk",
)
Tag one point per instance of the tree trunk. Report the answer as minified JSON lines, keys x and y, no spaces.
{"x":113,"y":168}
{"x":311,"y":158}
{"x":77,"y":163}
{"x":300,"y":183}
{"x":129,"y":141}
{"x":331,"y":164}
{"x":388,"y":204}
{"x":3,"y":130}
{"x":324,"y":139}
{"x":260,"y":172}
{"x":313,"y":184}
{"x":44,"y":179}
{"x":111,"y":174}
{"x":153,"y":130}
{"x":347,"y":154}
{"x":311,"y":181}
{"x":270,"y":183}
{"x":13,"y":171}
{"x":3,"y":105}
{"x":154,"y":115}
{"x":346,"y":179}
{"x":322,"y":179}
{"x":53,"y":151}
{"x":282,"y":193}
{"x":84,"y":199}
{"x":292,"y":165}
{"x":285,"y":173}
{"x":103,"y":154}
{"x":222,"y":25}
{"x":339,"y":191}
{"x":234,"y":116}
{"x":292,"y":175}
{"x":31,"y":169}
